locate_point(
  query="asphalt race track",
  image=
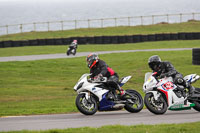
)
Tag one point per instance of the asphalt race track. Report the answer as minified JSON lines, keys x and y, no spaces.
{"x":80,"y":54}
{"x":75,"y":120}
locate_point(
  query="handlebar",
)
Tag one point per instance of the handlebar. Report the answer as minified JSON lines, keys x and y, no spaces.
{"x":103,"y":79}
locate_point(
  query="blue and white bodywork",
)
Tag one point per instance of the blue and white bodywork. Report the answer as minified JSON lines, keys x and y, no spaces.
{"x":96,"y":95}
{"x":86,"y":86}
{"x":191,"y":78}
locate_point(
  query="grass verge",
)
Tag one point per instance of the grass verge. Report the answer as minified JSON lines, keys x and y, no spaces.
{"x":193,"y":26}
{"x":35,"y":50}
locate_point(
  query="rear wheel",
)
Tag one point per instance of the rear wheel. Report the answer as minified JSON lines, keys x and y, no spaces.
{"x":135,"y":102}
{"x":86,"y":106}
{"x":74,"y":52}
{"x":197,"y":103}
{"x":155,"y":106}
{"x":197,"y":106}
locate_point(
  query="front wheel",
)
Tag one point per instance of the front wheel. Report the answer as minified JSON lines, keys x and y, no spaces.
{"x":155,"y":106}
{"x":67,"y":53}
{"x":135,"y":102}
{"x":86,"y":106}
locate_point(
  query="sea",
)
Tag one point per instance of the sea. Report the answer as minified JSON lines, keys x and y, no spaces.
{"x":14,"y":12}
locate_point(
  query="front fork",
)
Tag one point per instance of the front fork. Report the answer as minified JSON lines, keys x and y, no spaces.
{"x":156,"y":95}
{"x":87,"y":96}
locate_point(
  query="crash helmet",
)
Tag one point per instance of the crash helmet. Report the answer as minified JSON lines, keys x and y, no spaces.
{"x":75,"y":41}
{"x":92,"y":59}
{"x":154,"y":62}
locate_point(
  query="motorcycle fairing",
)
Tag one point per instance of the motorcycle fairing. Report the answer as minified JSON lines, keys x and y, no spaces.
{"x":124,"y":80}
{"x":167,"y":86}
{"x":83,"y":79}
{"x":105,"y":104}
{"x":192,"y":78}
{"x":172,"y":99}
{"x":99,"y":92}
{"x":149,"y":83}
{"x":91,"y":87}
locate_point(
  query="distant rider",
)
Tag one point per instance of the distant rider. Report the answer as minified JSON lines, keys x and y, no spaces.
{"x":72,"y":48}
{"x":99,"y":69}
{"x":166,"y":69}
{"x":73,"y":45}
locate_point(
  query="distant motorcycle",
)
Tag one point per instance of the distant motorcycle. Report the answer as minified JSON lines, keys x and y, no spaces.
{"x":163,"y":94}
{"x":71,"y":50}
{"x":96,"y":95}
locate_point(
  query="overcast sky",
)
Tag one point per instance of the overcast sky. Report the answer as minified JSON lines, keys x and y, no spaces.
{"x":26,"y":1}
{"x":48,"y":0}
{"x":28,"y":11}
{"x":67,"y":0}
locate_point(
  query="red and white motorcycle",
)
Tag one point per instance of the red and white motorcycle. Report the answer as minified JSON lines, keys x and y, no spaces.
{"x":163,"y":94}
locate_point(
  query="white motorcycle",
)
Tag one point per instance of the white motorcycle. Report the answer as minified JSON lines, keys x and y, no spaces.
{"x":71,"y":50}
{"x":162,"y":94}
{"x":98,"y":95}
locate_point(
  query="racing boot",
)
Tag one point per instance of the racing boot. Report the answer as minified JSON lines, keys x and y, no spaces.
{"x":191,"y":89}
{"x":122,"y":94}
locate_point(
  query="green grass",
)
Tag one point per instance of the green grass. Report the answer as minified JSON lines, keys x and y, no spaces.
{"x":34,"y":50}
{"x":160,"y":128}
{"x":46,"y":86}
{"x":193,"y":26}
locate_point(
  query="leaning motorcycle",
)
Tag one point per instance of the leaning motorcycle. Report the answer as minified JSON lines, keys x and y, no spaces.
{"x":71,"y":50}
{"x":163,"y":94}
{"x":94,"y":95}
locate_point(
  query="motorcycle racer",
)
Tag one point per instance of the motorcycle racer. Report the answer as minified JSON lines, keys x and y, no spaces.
{"x":166,"y":69}
{"x":98,"y":69}
{"x":72,"y":46}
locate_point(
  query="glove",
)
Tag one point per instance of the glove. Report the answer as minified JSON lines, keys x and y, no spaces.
{"x":99,"y":77}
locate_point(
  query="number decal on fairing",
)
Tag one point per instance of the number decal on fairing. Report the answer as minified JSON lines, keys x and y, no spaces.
{"x":168,"y":86}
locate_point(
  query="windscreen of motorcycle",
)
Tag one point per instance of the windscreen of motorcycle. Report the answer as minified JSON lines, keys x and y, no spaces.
{"x":149,"y":84}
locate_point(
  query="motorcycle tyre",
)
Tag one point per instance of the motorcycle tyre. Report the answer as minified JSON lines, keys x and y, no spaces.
{"x":74,"y":53}
{"x":82,"y":110}
{"x":134,"y":110}
{"x":67,"y":53}
{"x":150,"y":108}
{"x":197,"y":106}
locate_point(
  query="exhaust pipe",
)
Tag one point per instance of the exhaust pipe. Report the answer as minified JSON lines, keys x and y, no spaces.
{"x":118,"y":106}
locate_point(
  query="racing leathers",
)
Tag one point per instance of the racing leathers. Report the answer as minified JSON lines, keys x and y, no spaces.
{"x":102,"y":69}
{"x":167,"y":69}
{"x":73,"y":46}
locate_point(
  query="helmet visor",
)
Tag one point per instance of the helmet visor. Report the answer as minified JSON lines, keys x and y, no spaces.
{"x":154,"y":66}
{"x":91,"y":63}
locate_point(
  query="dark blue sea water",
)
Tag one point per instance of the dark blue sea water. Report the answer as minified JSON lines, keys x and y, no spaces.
{"x":29,"y":11}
